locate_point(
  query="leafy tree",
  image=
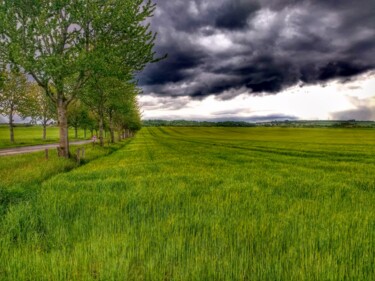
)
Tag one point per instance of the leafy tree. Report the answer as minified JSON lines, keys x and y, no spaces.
{"x":87,"y":122}
{"x":128,"y":116}
{"x":96,"y":95}
{"x":74,"y":116}
{"x":39,"y":107}
{"x":80,"y":117}
{"x":106,"y":97}
{"x":62,"y":43}
{"x":122,"y":107}
{"x":12,"y":96}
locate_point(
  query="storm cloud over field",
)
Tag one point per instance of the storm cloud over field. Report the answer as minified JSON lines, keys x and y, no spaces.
{"x":228,"y":47}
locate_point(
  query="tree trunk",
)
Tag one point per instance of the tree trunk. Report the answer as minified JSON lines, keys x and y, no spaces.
{"x":101,"y":129}
{"x":112,"y":134}
{"x":11,"y":127}
{"x":76,"y":132}
{"x":63,"y":126}
{"x":84,"y":133}
{"x":44,"y":129}
{"x":111,"y":130}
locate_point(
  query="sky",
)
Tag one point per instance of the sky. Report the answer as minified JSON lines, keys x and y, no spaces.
{"x":262,"y":60}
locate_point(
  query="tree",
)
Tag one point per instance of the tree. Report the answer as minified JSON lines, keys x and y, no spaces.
{"x":103,"y":96}
{"x":62,"y":43}
{"x":12,"y":96}
{"x":122,"y":105}
{"x":78,"y":117}
{"x":126,"y":113}
{"x":96,"y":96}
{"x":39,"y":107}
{"x":87,"y":122}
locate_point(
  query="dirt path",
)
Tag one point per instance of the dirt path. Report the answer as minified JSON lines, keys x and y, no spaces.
{"x":34,"y":148}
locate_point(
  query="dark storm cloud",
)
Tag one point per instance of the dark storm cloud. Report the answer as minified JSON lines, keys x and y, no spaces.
{"x":235,"y":14}
{"x":224,"y":47}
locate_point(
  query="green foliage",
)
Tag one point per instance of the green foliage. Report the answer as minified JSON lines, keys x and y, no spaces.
{"x":87,"y":120}
{"x":12,"y":95}
{"x":204,"y":204}
{"x":39,"y":107}
{"x":75,"y":114}
{"x":126,"y":112}
{"x":61,"y":44}
{"x":114,"y":104}
{"x":64,"y":44}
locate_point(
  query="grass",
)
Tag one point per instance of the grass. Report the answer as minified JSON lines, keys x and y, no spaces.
{"x":22,"y":175}
{"x":203,"y":204}
{"x":32,"y":135}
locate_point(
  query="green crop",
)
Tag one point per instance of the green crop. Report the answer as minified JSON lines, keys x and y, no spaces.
{"x":203,"y":204}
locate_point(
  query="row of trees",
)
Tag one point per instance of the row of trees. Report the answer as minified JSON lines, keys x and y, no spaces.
{"x":115,"y":109}
{"x":80,"y":53}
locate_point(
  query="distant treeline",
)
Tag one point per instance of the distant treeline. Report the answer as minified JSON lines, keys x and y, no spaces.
{"x":319,"y":124}
{"x":285,"y":123}
{"x":187,"y":123}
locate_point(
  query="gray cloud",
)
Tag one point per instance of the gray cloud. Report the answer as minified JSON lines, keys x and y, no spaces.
{"x":362,"y":113}
{"x":233,"y":112}
{"x":222,"y":47}
{"x":365,"y":110}
{"x":260,"y":118}
{"x":255,"y":118}
{"x":165,"y":103}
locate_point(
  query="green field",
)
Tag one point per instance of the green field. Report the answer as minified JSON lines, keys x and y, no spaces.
{"x":198,"y":204}
{"x":32,"y":135}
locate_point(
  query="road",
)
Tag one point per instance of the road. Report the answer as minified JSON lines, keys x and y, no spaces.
{"x":34,"y":148}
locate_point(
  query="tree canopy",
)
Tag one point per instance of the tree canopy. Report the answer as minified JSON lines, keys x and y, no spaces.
{"x":63,"y":44}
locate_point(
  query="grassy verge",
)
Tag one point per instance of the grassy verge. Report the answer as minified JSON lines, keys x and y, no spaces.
{"x":22,"y":175}
{"x":204,"y":204}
